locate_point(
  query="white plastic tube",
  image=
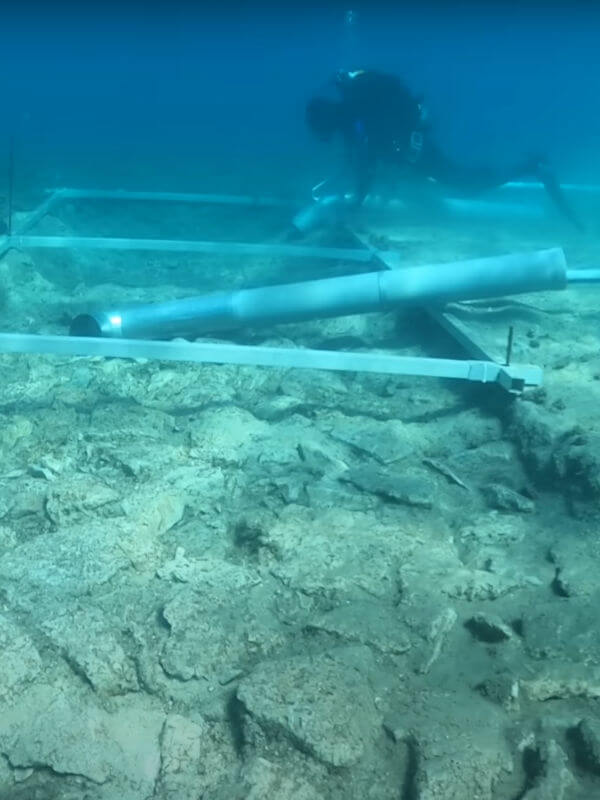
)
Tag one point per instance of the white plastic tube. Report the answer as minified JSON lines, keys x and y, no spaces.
{"x":434,"y":284}
{"x":186,"y":246}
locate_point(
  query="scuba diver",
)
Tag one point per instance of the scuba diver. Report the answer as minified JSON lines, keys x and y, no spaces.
{"x":381,"y":121}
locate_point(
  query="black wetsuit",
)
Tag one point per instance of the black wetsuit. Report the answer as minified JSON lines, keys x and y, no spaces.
{"x":382,"y":121}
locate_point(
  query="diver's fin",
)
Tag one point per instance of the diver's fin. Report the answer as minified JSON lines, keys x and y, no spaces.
{"x":542,"y":170}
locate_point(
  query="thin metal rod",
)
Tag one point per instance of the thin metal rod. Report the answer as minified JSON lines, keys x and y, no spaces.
{"x":222,"y":353}
{"x":462,"y":334}
{"x":251,"y":200}
{"x":6,"y":242}
{"x":184,"y":246}
{"x":172,"y":197}
{"x":587,"y":188}
{"x":509,"y":344}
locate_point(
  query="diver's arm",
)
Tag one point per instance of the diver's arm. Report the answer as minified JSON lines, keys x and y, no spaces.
{"x":362,"y":164}
{"x":365,"y":173}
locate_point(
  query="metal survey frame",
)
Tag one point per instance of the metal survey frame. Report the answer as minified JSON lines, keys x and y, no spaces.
{"x":507,"y":376}
{"x":282,"y":357}
{"x":485,"y":369}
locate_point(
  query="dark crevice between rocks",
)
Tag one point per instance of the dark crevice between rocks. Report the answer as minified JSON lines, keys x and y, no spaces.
{"x":44,"y":784}
{"x":558,"y":455}
{"x":142,"y":675}
{"x":235,"y":717}
{"x":533,"y":764}
{"x":162,"y":622}
{"x":517,"y":626}
{"x":435,"y":415}
{"x":585,"y":746}
{"x":558,"y":585}
{"x":78,"y":670}
{"x":410,"y":790}
{"x":179,"y":411}
{"x":487,"y":629}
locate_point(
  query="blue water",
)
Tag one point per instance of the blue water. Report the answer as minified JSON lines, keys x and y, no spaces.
{"x":165,"y":83}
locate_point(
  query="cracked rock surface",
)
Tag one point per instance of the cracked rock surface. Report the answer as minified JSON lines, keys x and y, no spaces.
{"x":235,"y":583}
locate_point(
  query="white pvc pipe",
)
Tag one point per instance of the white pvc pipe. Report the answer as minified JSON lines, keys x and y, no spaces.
{"x":230,"y":199}
{"x":330,"y":297}
{"x":186,"y":246}
{"x":586,"y":188}
{"x":583,"y":275}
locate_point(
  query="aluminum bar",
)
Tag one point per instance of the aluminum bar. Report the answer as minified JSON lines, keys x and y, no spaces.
{"x":583,"y":275}
{"x":184,"y":246}
{"x":28,"y":221}
{"x":171,"y":197}
{"x":223,"y":353}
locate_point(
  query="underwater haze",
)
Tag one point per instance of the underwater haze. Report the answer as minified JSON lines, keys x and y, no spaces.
{"x":167,"y":83}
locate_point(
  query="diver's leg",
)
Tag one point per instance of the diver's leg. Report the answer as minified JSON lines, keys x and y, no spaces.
{"x":435,"y":164}
{"x":545,"y":174}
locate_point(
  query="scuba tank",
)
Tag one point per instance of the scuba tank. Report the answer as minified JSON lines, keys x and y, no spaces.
{"x":328,"y":208}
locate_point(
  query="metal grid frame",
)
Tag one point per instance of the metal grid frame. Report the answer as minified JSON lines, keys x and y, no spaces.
{"x":485,"y":369}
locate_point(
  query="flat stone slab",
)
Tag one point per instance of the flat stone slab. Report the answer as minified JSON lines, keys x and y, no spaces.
{"x":322,"y":707}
